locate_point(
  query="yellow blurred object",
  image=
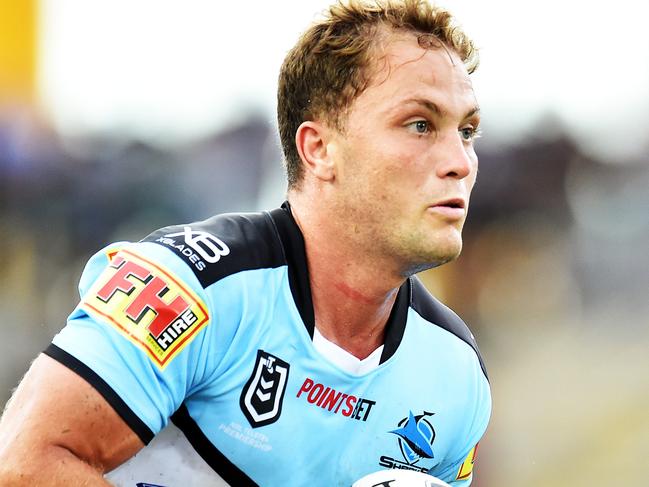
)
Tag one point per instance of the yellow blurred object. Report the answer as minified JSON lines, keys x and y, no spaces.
{"x":18,"y":19}
{"x":466,"y":469}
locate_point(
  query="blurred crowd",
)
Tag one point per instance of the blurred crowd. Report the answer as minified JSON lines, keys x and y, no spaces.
{"x":553,"y":278}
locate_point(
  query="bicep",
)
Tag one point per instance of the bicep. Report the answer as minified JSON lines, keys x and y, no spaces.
{"x":54,"y":408}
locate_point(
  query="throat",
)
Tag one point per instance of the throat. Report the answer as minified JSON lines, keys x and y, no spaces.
{"x":350,"y":318}
{"x":355,"y":295}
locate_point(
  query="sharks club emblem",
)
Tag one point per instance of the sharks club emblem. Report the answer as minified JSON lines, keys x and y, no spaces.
{"x":262,"y":396}
{"x":415,"y":437}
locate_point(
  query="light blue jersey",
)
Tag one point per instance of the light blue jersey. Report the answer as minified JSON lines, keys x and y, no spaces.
{"x":210,"y":325}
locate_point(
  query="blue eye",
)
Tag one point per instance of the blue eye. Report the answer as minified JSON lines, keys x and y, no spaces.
{"x":420,"y":126}
{"x":469,"y":133}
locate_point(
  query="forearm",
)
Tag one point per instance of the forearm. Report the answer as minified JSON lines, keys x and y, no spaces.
{"x":56,"y":466}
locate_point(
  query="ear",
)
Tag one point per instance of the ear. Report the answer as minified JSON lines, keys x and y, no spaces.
{"x":311,"y":140}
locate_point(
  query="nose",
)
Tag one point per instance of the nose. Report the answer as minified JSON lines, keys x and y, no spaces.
{"x":455,"y":158}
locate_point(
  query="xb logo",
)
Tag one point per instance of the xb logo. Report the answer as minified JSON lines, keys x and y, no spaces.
{"x":262,"y":396}
{"x":206,"y":245}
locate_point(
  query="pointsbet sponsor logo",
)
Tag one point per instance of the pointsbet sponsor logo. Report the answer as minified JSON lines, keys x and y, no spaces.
{"x":337,"y":402}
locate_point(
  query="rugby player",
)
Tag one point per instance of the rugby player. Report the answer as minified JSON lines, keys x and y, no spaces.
{"x":294,"y":346}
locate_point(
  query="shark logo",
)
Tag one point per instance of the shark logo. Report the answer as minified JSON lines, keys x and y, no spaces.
{"x":416,"y":436}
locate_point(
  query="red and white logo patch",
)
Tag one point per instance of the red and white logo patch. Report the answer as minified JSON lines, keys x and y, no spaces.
{"x":148,"y":305}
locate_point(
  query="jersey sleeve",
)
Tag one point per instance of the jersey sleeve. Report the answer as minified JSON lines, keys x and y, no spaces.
{"x":140,"y":334}
{"x":460,"y":471}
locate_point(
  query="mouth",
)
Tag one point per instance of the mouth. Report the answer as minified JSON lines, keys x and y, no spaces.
{"x":458,"y":203}
{"x":450,"y":209}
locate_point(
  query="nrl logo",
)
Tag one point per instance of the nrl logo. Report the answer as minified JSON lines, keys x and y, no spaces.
{"x":262,"y":396}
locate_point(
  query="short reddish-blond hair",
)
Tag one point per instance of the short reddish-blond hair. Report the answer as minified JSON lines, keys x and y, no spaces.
{"x":328,"y":67}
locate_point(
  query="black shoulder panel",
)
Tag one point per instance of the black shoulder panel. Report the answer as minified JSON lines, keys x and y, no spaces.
{"x":432,"y":310}
{"x":224,"y":245}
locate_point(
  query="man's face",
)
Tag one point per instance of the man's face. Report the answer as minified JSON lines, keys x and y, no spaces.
{"x":405,"y":158}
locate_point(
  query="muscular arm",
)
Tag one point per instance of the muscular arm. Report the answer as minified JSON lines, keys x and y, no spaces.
{"x":57,"y":430}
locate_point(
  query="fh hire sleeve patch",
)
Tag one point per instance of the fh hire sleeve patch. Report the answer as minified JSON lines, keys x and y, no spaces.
{"x":147,"y":304}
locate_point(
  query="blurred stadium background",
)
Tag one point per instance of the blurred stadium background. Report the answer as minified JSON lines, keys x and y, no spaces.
{"x":119,"y":117}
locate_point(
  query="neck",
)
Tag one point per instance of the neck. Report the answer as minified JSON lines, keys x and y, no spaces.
{"x":353,"y":292}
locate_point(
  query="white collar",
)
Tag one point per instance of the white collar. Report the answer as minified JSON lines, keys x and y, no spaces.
{"x":343,"y":359}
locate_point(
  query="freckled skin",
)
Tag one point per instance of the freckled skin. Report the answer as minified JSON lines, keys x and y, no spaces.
{"x":376,"y":202}
{"x":389,"y":176}
{"x":353,"y":294}
{"x":370,"y":215}
{"x":58,"y":430}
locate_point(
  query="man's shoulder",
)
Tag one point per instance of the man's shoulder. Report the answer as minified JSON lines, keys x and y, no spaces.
{"x":438,"y":314}
{"x":223,"y":244}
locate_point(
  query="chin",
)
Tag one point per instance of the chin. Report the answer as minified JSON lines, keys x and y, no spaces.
{"x":433,"y":256}
{"x":444,"y":248}
{"x":443,"y":257}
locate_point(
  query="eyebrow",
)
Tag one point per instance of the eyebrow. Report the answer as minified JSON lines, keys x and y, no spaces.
{"x":433,"y":107}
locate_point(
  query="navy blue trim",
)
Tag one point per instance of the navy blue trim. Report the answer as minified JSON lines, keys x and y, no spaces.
{"x":228,"y":471}
{"x":396,"y":325}
{"x":295,"y":256}
{"x":250,"y":237}
{"x":438,"y":314}
{"x":90,"y":376}
{"x":268,"y":240}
